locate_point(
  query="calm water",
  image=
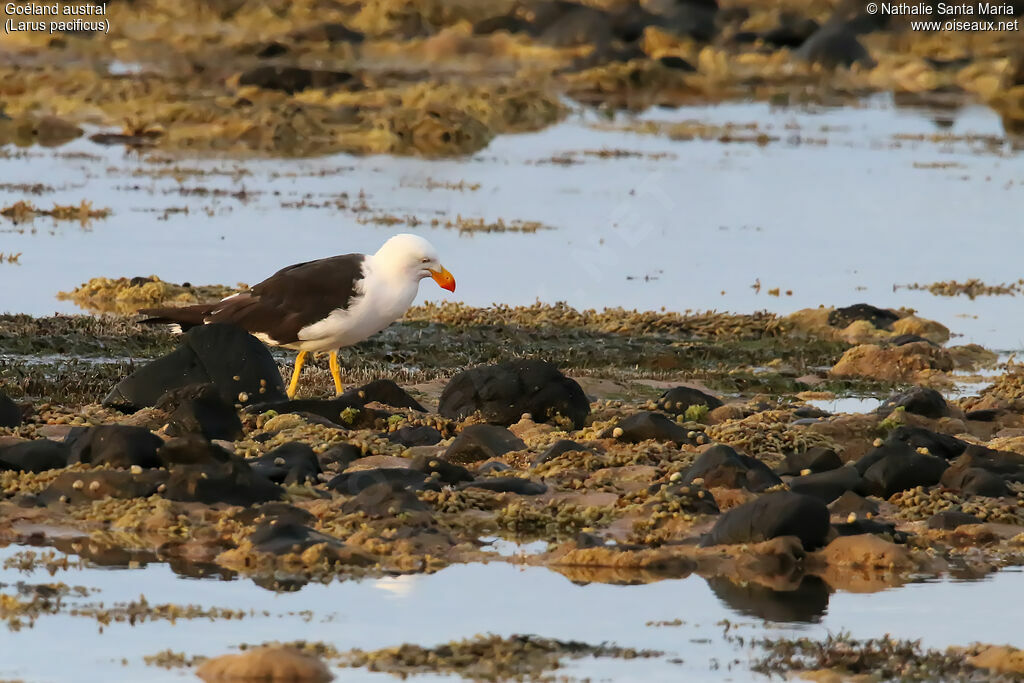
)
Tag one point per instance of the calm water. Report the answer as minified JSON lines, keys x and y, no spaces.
{"x":843,"y":207}
{"x":499,"y":598}
{"x":690,"y":225}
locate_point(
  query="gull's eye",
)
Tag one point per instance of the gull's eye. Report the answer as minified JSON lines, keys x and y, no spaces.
{"x":425,"y":260}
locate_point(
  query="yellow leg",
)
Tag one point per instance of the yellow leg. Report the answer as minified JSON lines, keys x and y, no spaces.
{"x":336,"y":372}
{"x":293,"y":386}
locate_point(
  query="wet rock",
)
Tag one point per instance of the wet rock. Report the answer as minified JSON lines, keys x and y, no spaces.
{"x":117,"y":446}
{"x":482,"y":442}
{"x":792,"y":32}
{"x":901,"y":339}
{"x":506,"y":22}
{"x":327,"y":32}
{"x":920,"y":401}
{"x":816,"y":459}
{"x":418,"y":435}
{"x":859,"y":527}
{"x":879,"y":317}
{"x":690,"y":497}
{"x":265,"y":664}
{"x":1008,"y":465}
{"x":947,"y":520}
{"x":942,"y":445}
{"x":830,"y":485}
{"x":280,"y":537}
{"x":200,"y":409}
{"x":648,"y":425}
{"x":570,"y":25}
{"x":269,"y":50}
{"x":232,"y":482}
{"x":899,"y":470}
{"x":293,"y":79}
{"x":999,"y":658}
{"x":276,"y":510}
{"x":37,"y":455}
{"x":384,"y":499}
{"x":810,"y":412}
{"x":907,"y":363}
{"x":721,"y":465}
{"x":352,"y":483}
{"x":694,"y":19}
{"x":866,"y":552}
{"x":556,"y":449}
{"x":677,"y":63}
{"x":290,"y":463}
{"x":339,"y":457}
{"x":192,"y":449}
{"x":10,"y":412}
{"x":209,"y":354}
{"x":678,"y":399}
{"x":383,"y":391}
{"x":493,"y":466}
{"x":447,"y":472}
{"x":780,"y":513}
{"x":975,"y":481}
{"x":84,"y":487}
{"x":835,"y":45}
{"x":853,"y":503}
{"x":523,"y":487}
{"x":503,"y":392}
{"x":984,"y":415}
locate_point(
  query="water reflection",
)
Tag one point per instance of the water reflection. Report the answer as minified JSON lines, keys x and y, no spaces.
{"x":806,"y":602}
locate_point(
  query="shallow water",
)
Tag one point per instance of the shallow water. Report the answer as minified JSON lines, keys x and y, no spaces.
{"x":500,"y":598}
{"x":845,"y":205}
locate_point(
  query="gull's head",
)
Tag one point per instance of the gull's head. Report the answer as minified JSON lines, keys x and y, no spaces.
{"x":416,"y":258}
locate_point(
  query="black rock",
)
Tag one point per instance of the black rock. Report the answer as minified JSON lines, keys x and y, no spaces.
{"x":648,"y":425}
{"x":383,"y":391}
{"x":492,"y":467}
{"x":293,"y":79}
{"x":951,"y":519}
{"x":879,"y":317}
{"x":290,"y":463}
{"x":780,"y":513}
{"x":118,"y":446}
{"x":384,"y":499}
{"x":689,"y":497}
{"x":830,"y":485}
{"x":904,"y":339}
{"x":447,"y":472}
{"x":84,"y":487}
{"x":973,"y":481}
{"x":982,"y":415}
{"x":835,"y":45}
{"x":942,"y":445}
{"x":200,"y":409}
{"x":482,"y":442}
{"x":810,"y":413}
{"x":330,"y":32}
{"x":1008,"y":465}
{"x":37,"y":455}
{"x":232,"y":482}
{"x":270,"y":49}
{"x":352,"y":483}
{"x":896,"y":448}
{"x":10,"y":412}
{"x":419,"y":435}
{"x":869,"y":526}
{"x":792,"y":31}
{"x":523,"y":487}
{"x":503,"y":392}
{"x":678,"y":399}
{"x":901,"y":471}
{"x":339,"y":457}
{"x":690,"y":19}
{"x":283,"y":537}
{"x":919,"y":400}
{"x":721,"y":465}
{"x":192,"y":449}
{"x":504,"y":22}
{"x":578,"y":25}
{"x":209,"y":354}
{"x":275,"y":510}
{"x":676,"y":62}
{"x":816,"y":459}
{"x":851,"y":502}
{"x":556,"y":449}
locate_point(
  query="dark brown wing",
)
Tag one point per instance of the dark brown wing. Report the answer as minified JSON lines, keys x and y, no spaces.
{"x":293,"y":297}
{"x":281,"y":305}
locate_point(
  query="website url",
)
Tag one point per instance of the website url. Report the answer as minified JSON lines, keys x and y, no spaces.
{"x":955,"y":25}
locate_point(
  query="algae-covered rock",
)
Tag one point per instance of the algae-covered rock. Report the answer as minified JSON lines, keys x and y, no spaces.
{"x":265,"y":664}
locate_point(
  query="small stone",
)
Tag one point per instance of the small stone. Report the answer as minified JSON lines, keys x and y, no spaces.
{"x":243,"y":397}
{"x":78,"y":485}
{"x":851,"y":518}
{"x":135,"y":469}
{"x":94,"y":485}
{"x":877,"y":442}
{"x":805,"y":471}
{"x":617,"y":432}
{"x":238,"y":378}
{"x":676,"y":476}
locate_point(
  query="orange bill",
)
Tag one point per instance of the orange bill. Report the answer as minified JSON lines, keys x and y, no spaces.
{"x":444,"y":279}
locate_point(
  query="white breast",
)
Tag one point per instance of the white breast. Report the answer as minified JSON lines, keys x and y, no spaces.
{"x":378,"y":303}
